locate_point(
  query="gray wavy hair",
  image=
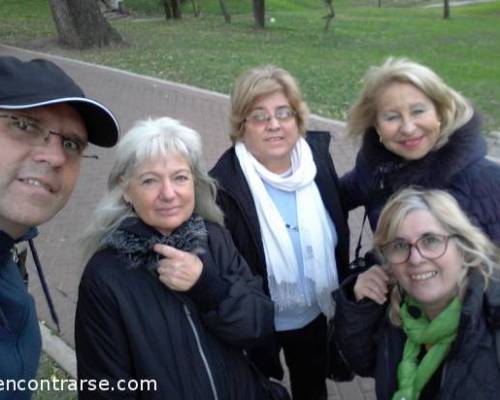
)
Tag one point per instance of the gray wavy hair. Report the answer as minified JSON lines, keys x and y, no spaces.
{"x":147,"y":140}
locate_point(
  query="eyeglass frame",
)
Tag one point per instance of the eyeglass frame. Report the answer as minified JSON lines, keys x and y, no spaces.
{"x":415,"y":245}
{"x":45,"y":134}
{"x":270,"y":116}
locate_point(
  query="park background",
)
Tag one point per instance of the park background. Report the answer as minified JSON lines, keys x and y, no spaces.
{"x":206,"y":52}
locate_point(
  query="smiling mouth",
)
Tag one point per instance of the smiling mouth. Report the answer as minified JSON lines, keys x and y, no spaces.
{"x":168,"y":211}
{"x":411,"y":143}
{"x":424,"y":276}
{"x":36,"y":183}
{"x":274,"y":138}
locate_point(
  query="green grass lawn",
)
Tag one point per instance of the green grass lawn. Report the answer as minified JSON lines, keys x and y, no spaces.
{"x":209,"y":53}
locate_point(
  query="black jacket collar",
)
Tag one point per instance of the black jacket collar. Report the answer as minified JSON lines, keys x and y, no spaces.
{"x":465,"y":146}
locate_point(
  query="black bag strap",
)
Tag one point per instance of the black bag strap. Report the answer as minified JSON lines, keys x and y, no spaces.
{"x":358,"y":246}
{"x":45,"y":287}
{"x":497,"y":344}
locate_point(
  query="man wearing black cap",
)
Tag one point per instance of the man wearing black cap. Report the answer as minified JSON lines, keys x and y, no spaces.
{"x":46,"y":123}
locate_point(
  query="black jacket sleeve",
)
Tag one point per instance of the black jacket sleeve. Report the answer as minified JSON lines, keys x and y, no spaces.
{"x":355,"y":326}
{"x":350,"y":192}
{"x":244,"y":315}
{"x":101,"y":343}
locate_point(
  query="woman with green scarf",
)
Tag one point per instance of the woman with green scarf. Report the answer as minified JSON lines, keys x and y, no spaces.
{"x":424,"y":323}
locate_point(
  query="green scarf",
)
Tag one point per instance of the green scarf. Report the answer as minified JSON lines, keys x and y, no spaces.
{"x":438,"y":333}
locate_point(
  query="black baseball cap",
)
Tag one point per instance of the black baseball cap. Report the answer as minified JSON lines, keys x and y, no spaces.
{"x":36,"y":83}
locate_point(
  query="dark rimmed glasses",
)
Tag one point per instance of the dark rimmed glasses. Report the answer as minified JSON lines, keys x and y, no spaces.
{"x":430,"y":246}
{"x":30,"y":131}
{"x":262,"y":117}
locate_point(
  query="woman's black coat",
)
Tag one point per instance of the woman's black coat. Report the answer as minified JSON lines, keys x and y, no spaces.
{"x":459,"y":167}
{"x":241,"y":219}
{"x":129,"y":325}
{"x":373,"y":346}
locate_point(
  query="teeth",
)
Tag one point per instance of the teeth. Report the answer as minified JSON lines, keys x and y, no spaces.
{"x":35,"y":182}
{"x":423,"y":276}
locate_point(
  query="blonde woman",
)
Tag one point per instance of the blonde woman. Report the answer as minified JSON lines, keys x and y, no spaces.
{"x":416,"y":130}
{"x":423,"y":324}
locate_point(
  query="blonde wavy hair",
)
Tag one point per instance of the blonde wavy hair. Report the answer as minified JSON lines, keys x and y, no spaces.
{"x":477,"y":249}
{"x":452,"y":108}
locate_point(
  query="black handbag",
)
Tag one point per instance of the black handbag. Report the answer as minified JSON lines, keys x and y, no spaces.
{"x":274,"y":389}
{"x":338,"y":367}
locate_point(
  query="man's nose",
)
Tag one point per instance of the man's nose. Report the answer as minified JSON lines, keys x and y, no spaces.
{"x":51,"y":151}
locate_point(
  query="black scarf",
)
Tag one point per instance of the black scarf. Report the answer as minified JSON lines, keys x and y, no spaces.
{"x":134,"y":241}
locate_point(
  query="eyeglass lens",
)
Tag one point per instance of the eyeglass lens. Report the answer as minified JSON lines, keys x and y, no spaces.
{"x":430,"y":246}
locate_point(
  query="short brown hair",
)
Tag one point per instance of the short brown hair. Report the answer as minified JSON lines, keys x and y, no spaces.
{"x":263,"y":81}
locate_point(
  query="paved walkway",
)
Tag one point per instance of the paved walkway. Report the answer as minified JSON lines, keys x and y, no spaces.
{"x":133,"y":97}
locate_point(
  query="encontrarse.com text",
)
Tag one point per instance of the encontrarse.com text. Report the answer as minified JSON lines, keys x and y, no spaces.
{"x":93,"y":385}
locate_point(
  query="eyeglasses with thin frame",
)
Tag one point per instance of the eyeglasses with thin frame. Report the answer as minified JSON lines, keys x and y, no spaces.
{"x":430,"y":246}
{"x":262,"y":117}
{"x":30,"y":131}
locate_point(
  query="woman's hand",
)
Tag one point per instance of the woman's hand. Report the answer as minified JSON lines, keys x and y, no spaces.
{"x":179,"y":270}
{"x":372,"y":284}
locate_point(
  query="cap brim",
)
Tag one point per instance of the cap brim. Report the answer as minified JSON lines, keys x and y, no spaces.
{"x":102,"y":126}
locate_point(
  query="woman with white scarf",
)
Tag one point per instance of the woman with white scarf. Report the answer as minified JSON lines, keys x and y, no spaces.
{"x":281,"y":204}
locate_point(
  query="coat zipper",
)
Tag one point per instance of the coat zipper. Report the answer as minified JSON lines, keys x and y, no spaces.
{"x":202,"y":353}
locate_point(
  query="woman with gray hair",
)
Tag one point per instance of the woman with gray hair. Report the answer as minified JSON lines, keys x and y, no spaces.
{"x":416,"y":130}
{"x":165,"y":296}
{"x":423,"y":324}
{"x":279,"y":194}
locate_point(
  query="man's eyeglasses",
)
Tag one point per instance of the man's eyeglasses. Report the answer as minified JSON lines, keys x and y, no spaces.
{"x":262,"y":117}
{"x":30,"y":131}
{"x":430,"y":246}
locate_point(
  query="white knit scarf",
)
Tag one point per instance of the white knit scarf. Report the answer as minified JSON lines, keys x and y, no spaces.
{"x":318,"y":248}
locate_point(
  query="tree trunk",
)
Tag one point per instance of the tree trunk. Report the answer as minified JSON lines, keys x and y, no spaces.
{"x":168,"y":9}
{"x":331,"y":15}
{"x":176,"y":8}
{"x":80,"y":24}
{"x":196,"y":8}
{"x":223,"y":7}
{"x":259,"y":13}
{"x":446,"y":9}
{"x":172,"y":9}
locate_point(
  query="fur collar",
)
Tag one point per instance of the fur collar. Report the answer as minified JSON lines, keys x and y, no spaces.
{"x":436,"y":169}
{"x":134,"y":241}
